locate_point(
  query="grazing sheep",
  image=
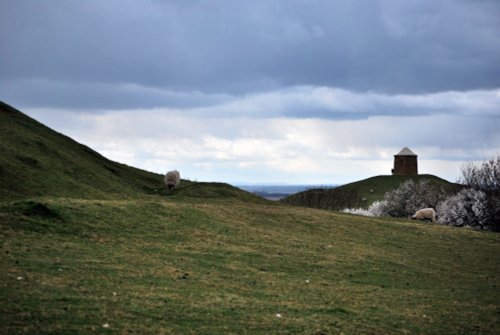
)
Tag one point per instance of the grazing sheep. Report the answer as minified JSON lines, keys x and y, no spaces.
{"x":425,"y":214}
{"x":172,"y":179}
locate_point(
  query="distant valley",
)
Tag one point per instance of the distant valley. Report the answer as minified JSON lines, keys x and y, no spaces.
{"x":277,"y":192}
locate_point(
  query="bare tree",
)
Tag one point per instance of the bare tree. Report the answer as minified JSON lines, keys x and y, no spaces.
{"x":486,"y":178}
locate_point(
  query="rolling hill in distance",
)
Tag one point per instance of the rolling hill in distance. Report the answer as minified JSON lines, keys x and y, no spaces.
{"x":94,"y":246}
{"x":362,"y":193}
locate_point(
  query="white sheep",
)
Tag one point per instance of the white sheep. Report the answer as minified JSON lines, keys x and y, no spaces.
{"x":172,"y":179}
{"x":425,"y":214}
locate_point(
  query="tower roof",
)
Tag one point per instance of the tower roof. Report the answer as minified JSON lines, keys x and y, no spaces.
{"x":405,"y":152}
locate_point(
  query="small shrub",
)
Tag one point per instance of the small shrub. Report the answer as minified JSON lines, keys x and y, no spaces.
{"x":357,"y":211}
{"x":377,"y":208}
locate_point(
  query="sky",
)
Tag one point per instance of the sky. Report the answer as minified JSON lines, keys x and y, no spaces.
{"x":261,"y":92}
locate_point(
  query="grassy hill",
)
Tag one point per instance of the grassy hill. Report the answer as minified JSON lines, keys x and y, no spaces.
{"x":211,"y":259}
{"x":360,"y":194}
{"x":37,"y":161}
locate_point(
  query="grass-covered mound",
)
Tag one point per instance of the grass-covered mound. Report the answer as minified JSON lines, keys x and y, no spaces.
{"x":214,"y":191}
{"x":362,"y":193}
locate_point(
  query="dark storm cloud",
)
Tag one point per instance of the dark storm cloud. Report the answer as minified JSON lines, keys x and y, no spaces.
{"x":97,"y":96}
{"x":239,"y":47}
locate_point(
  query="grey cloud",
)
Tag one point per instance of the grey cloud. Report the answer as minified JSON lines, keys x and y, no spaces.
{"x":339,"y":104}
{"x":301,"y":102}
{"x":243,"y":47}
{"x":100,"y":96}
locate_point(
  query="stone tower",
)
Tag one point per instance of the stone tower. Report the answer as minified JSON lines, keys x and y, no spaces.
{"x":405,"y":163}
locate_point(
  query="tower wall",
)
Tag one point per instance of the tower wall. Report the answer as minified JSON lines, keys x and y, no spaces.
{"x":405,"y":166}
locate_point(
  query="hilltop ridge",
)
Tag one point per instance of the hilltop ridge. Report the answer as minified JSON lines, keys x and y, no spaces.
{"x":361,"y":194}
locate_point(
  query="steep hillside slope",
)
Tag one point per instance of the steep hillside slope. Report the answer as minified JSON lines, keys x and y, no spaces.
{"x":36,"y":161}
{"x":361,"y":193}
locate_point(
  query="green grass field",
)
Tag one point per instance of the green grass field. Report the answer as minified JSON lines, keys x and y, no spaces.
{"x":190,"y":266}
{"x":115,"y":254}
